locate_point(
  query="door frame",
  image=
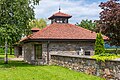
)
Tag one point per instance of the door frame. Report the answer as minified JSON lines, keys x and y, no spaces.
{"x":35,"y":51}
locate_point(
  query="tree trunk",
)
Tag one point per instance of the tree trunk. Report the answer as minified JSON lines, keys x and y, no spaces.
{"x":6,"y":51}
{"x":10,"y":50}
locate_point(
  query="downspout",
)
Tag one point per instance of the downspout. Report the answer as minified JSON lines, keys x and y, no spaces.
{"x":48,"y":52}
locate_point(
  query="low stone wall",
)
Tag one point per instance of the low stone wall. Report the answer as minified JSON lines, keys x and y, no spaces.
{"x":109,"y":69}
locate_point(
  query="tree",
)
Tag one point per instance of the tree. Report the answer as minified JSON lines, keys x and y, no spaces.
{"x":109,"y":23}
{"x":39,"y":23}
{"x":87,"y":24}
{"x":14,"y":19}
{"x":99,"y":45}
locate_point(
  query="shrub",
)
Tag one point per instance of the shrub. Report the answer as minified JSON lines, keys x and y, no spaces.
{"x":99,"y":45}
{"x":105,"y":57}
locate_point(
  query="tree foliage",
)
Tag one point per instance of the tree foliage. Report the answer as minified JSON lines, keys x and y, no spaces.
{"x":87,"y":24}
{"x":39,"y":23}
{"x":14,"y":19}
{"x":99,"y":45}
{"x":109,"y":23}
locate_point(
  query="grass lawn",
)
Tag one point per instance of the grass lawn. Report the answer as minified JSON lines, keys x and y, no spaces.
{"x":17,"y":70}
{"x":9,"y":56}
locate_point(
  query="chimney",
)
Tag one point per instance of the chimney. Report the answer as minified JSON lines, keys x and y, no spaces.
{"x":35,"y":29}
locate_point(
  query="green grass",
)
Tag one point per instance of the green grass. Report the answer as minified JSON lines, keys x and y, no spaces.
{"x":22,"y":71}
{"x":9,"y":56}
{"x":2,"y":51}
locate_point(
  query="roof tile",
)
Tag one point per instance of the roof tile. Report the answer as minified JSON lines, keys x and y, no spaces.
{"x":60,"y":14}
{"x":64,"y":31}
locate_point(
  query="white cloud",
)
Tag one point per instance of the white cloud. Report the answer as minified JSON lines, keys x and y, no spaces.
{"x":79,"y":9}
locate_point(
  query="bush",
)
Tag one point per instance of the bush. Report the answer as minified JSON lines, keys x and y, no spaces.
{"x":99,"y":45}
{"x":105,"y":57}
{"x":112,"y":51}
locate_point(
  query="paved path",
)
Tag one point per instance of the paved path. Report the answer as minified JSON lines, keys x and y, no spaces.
{"x":14,"y":59}
{"x":1,"y":59}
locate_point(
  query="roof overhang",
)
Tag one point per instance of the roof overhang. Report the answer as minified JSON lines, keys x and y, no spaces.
{"x":52,"y":17}
{"x":59,"y":40}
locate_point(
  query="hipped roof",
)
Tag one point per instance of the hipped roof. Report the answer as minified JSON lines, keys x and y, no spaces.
{"x":63,"y":31}
{"x":60,"y":14}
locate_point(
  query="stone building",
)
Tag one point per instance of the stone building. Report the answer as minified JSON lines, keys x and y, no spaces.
{"x":59,"y":37}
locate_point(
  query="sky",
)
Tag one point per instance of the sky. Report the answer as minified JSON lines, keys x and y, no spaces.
{"x":79,"y":9}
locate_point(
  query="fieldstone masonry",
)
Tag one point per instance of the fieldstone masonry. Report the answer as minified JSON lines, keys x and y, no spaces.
{"x":29,"y":53}
{"x":65,"y":48}
{"x":66,"y":54}
{"x":109,"y":70}
{"x":70,"y":48}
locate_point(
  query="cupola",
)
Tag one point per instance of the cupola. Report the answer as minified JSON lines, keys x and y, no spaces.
{"x":59,"y":17}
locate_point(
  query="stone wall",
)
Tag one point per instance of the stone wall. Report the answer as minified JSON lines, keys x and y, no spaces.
{"x":70,"y":48}
{"x":109,"y":69}
{"x":29,"y":53}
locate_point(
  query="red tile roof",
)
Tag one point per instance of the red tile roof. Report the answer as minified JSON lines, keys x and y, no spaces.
{"x":64,"y":31}
{"x":60,"y":14}
{"x":35,"y":28}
